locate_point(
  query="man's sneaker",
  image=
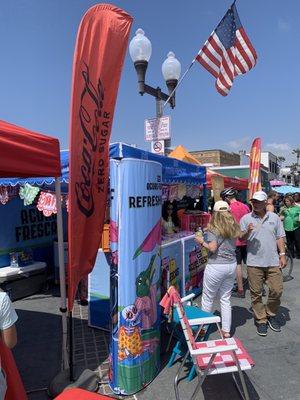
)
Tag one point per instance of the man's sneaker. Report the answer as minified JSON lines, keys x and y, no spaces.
{"x":240,"y":295}
{"x":262,"y":329}
{"x":273,"y":324}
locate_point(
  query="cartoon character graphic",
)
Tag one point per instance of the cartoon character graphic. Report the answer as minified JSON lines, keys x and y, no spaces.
{"x":146,"y":295}
{"x":197,"y":257}
{"x":130,"y":341}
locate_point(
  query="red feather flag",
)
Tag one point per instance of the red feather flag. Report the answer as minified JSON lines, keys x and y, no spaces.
{"x":254,"y":173}
{"x":98,"y":60}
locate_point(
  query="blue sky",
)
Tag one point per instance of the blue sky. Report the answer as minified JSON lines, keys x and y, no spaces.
{"x":37,"y":39}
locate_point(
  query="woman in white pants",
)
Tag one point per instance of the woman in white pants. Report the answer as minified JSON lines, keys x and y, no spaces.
{"x":220,"y":271}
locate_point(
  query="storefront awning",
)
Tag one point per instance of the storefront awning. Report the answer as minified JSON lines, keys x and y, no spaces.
{"x":236,"y":183}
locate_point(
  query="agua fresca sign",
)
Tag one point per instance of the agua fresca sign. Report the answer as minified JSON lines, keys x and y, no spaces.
{"x":98,"y":60}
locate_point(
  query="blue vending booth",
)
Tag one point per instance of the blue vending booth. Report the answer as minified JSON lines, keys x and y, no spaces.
{"x":125,"y":285}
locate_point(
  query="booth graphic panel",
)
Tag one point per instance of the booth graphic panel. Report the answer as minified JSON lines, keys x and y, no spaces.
{"x":135,"y":351}
{"x":26,"y":227}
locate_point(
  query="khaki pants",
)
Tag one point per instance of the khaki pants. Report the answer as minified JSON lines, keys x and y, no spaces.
{"x":273,"y":278}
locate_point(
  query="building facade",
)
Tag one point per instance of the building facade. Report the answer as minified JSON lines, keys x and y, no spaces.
{"x":289,"y":176}
{"x":216,"y":158}
{"x":270,"y":161}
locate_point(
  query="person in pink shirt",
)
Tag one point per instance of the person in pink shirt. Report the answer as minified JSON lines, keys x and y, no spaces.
{"x":238,"y":210}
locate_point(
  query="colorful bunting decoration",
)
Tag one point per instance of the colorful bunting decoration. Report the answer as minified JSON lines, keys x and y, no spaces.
{"x":47,"y":204}
{"x":173,"y":192}
{"x":66,"y":202}
{"x":165,"y":192}
{"x":181,"y":191}
{"x":28,"y":193}
{"x":3,"y":195}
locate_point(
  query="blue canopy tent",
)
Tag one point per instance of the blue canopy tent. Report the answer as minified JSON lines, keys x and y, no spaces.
{"x":287,"y":189}
{"x":174,"y":171}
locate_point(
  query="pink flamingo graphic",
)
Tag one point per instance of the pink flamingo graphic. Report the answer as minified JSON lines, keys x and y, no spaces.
{"x":151,"y":240}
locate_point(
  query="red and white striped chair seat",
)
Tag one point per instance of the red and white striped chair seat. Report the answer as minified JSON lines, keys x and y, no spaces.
{"x":211,"y":357}
{"x":224,"y":362}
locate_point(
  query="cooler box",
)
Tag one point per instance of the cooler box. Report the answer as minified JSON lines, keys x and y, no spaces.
{"x":21,"y":282}
{"x":191,"y":222}
{"x":203,"y":219}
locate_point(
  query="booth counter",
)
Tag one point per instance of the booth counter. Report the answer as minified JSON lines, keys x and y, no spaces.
{"x":182,"y":263}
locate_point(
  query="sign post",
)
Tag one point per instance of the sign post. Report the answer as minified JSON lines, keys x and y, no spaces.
{"x":157,"y":131}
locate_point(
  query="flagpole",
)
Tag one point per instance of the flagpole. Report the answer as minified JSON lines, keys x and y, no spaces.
{"x":183,"y":76}
{"x":179,"y":82}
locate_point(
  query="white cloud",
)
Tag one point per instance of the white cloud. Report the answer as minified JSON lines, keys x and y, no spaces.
{"x":239,"y":144}
{"x":279,"y":146}
{"x":283,"y":25}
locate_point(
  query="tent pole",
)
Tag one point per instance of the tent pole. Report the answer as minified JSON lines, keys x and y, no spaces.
{"x":71,"y":357}
{"x":62,"y":274}
{"x":76,"y":377}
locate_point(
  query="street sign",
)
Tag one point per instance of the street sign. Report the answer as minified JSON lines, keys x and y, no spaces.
{"x":158,"y":147}
{"x":157,"y":128}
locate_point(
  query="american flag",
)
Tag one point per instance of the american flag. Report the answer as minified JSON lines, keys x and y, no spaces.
{"x":227,"y":52}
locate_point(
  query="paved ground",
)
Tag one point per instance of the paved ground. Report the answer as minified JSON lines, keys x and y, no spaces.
{"x":277,"y":357}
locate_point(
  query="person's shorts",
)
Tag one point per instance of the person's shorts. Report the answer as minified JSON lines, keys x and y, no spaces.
{"x":241,"y":254}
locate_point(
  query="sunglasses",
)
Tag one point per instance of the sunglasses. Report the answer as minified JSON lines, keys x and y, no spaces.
{"x":170,"y":208}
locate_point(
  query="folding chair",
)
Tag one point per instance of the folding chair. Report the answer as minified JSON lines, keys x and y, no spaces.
{"x":211,"y":357}
{"x":180,"y":347}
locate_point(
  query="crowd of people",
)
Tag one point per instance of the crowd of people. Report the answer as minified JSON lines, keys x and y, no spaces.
{"x":257,"y":238}
{"x":255,"y":235}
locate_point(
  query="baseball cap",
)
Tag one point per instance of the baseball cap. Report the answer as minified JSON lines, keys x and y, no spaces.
{"x":221,"y":206}
{"x":260,"y":196}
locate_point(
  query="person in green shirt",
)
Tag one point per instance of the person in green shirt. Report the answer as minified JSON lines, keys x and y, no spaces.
{"x":290,"y":215}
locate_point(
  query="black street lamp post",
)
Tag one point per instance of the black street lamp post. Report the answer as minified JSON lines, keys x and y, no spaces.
{"x":140,"y":50}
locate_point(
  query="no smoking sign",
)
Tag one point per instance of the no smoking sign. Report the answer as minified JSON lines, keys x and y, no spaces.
{"x":158,"y":146}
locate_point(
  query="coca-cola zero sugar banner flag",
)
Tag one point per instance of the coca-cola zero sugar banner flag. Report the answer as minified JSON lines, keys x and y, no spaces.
{"x":98,"y":60}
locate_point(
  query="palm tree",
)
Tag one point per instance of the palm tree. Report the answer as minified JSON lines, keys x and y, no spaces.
{"x":297,"y":152}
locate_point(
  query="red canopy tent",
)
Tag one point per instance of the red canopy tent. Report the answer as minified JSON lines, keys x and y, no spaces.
{"x":24,"y":153}
{"x":236,"y":183}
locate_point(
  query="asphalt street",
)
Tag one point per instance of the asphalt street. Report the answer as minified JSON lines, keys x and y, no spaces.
{"x":277,"y":356}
